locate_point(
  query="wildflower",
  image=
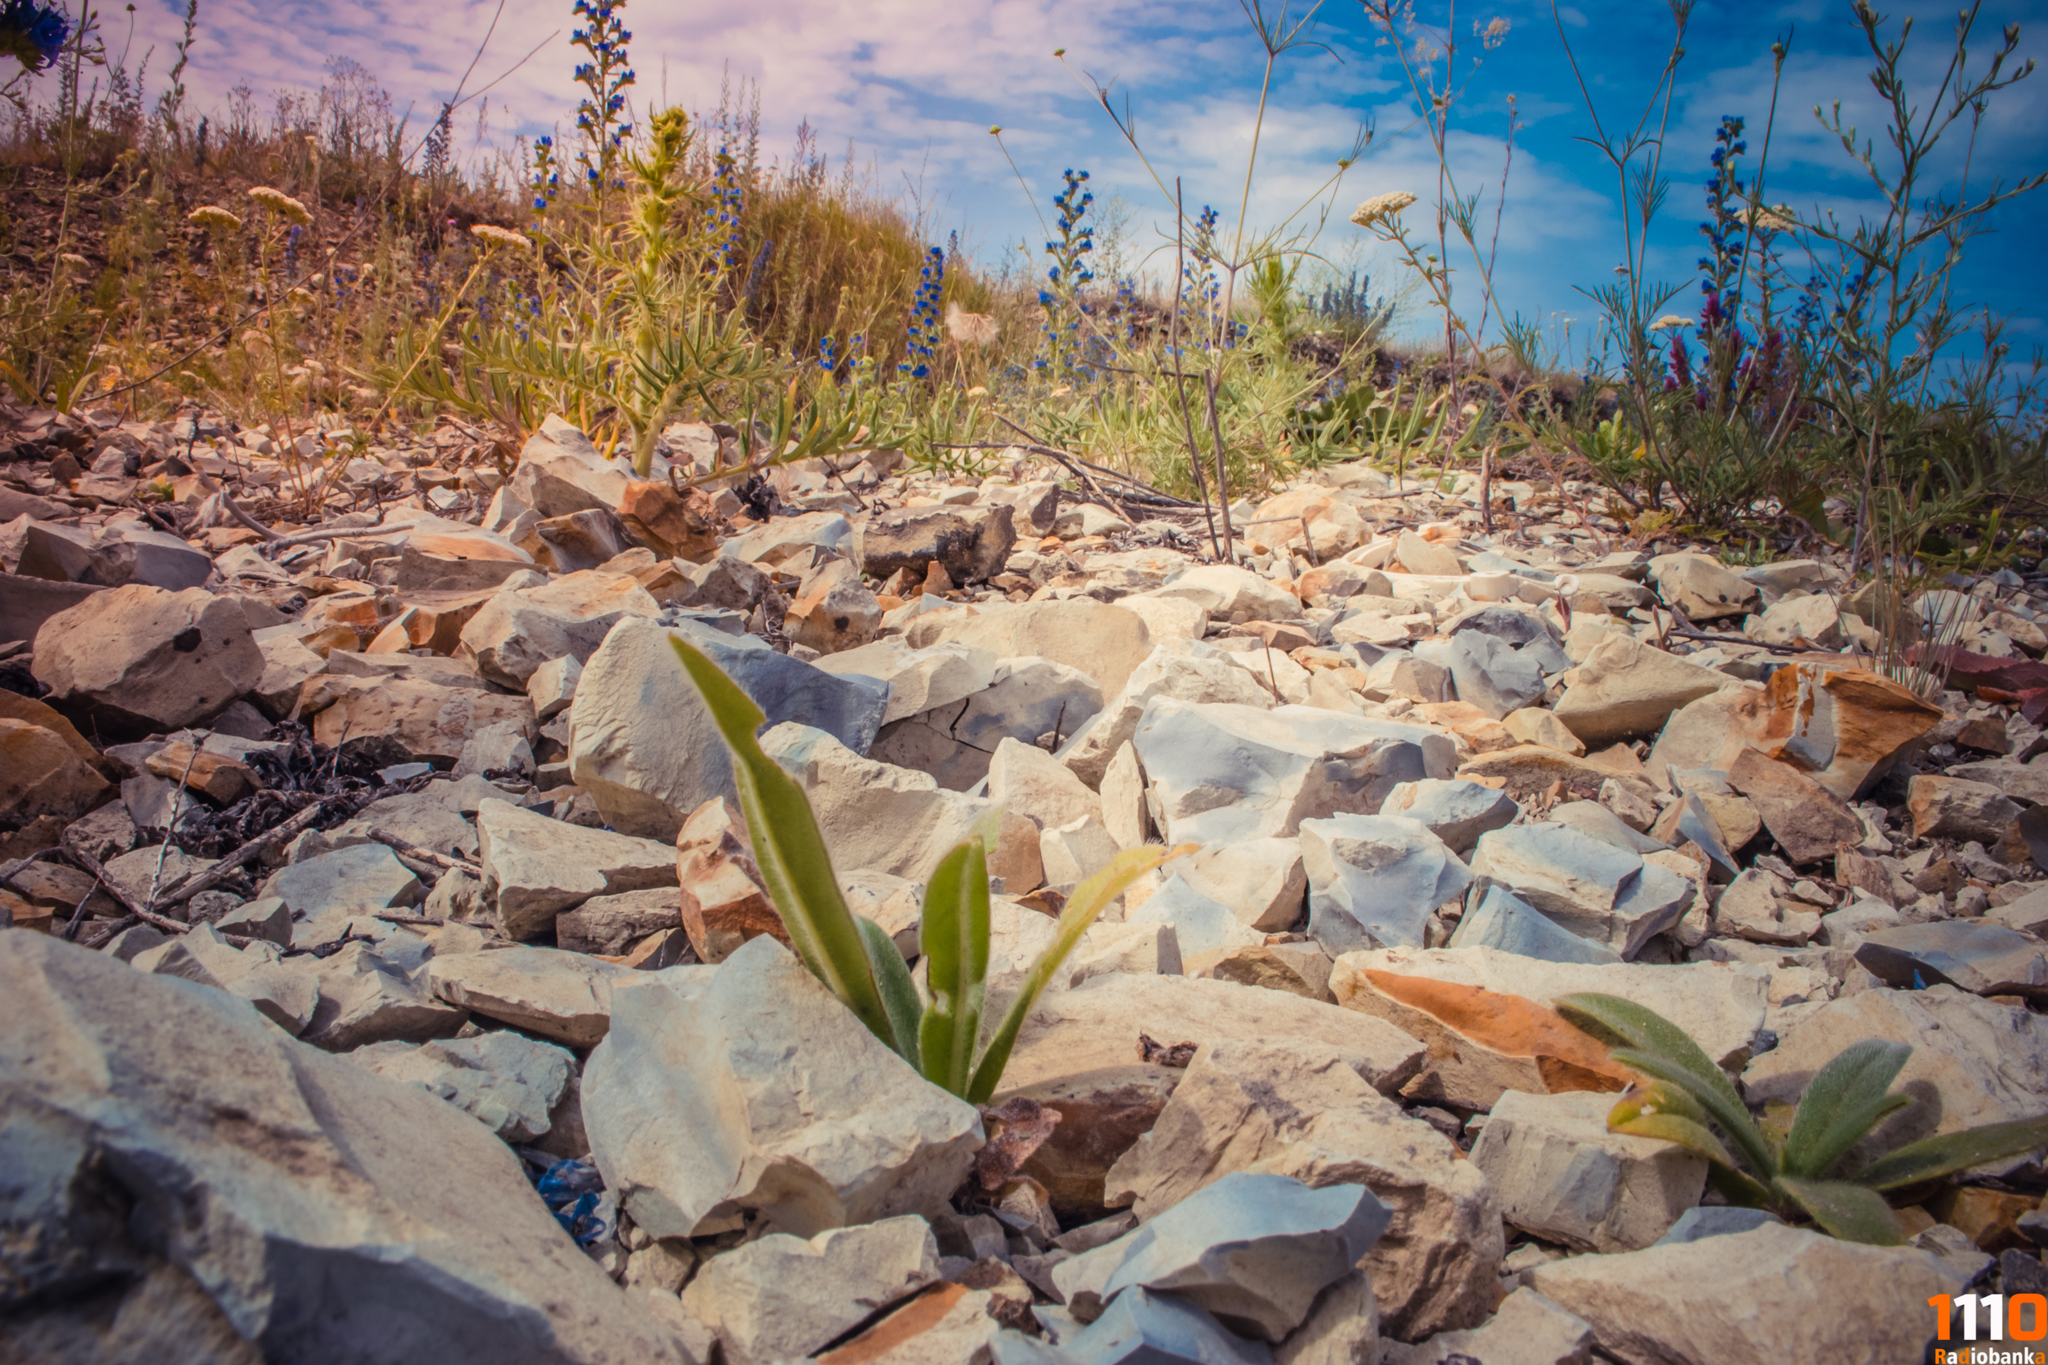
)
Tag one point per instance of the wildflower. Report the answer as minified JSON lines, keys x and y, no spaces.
{"x":282,"y":204}
{"x":490,"y":234}
{"x":969,"y":329}
{"x":214,"y":218}
{"x":1381,"y":207}
{"x":1670,"y":321}
{"x":32,"y":34}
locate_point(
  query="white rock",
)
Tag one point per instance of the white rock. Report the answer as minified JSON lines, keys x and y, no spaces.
{"x":919,"y":679}
{"x":1589,"y":887}
{"x":1200,"y":924}
{"x":1700,"y":586}
{"x":1220,"y":773}
{"x":553,"y":686}
{"x":1104,"y":641}
{"x":1293,"y":1108}
{"x":1973,"y":1062}
{"x":874,"y":816}
{"x":1455,"y":811}
{"x":1191,"y":673}
{"x":1026,"y":779}
{"x":1076,"y":850}
{"x":1565,"y":1178}
{"x":782,"y":1297}
{"x":748,"y":1088}
{"x":336,"y":1216}
{"x":643,"y":745}
{"x":516,"y":632}
{"x":1719,"y":1005}
{"x":1124,"y":812}
{"x":1263,"y":881}
{"x":1626,"y":688}
{"x":1753,"y":1298}
{"x":1374,"y":880}
{"x":1097,"y":1025}
{"x":1527,"y":1329}
{"x":1232,"y":594}
{"x":535,"y":867}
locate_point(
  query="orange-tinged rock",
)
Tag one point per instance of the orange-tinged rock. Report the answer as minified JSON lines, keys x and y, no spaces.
{"x":724,"y":903}
{"x":664,"y":518}
{"x":1485,"y":734}
{"x":224,"y":779}
{"x":364,"y":613}
{"x":40,"y":774}
{"x":427,"y":720}
{"x":1481,"y":1042}
{"x":1846,"y":725}
{"x":1102,"y":1113}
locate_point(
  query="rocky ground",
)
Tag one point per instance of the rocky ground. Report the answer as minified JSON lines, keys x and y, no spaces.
{"x":391,"y":980}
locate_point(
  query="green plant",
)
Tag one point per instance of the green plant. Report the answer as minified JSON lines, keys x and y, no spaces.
{"x":853,"y":956}
{"x":1790,"y":1163}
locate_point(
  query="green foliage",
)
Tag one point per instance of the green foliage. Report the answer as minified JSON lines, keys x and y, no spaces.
{"x":1691,"y":1102}
{"x":859,"y":962}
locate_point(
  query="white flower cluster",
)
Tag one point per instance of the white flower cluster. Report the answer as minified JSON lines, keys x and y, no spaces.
{"x":1381,"y":206}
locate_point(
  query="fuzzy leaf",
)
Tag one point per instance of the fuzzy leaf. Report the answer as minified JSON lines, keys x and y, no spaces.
{"x":790,"y":850}
{"x":1843,"y":1101}
{"x":1853,"y":1213}
{"x":953,"y":934}
{"x":1089,"y":900}
{"x":899,"y":991}
{"x":1938,"y":1156}
{"x":1666,"y":1112}
{"x":1657,"y":1047}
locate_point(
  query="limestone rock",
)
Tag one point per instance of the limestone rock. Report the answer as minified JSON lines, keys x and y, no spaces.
{"x":1201,"y":924}
{"x":564,"y":996}
{"x":426,"y":720}
{"x":398,"y":1229}
{"x":1973,"y":1062}
{"x":1374,"y":880}
{"x":748,"y":1087}
{"x":1420,"y":556}
{"x":919,"y":679}
{"x":1700,"y":587}
{"x":1097,"y":1024}
{"x":642,"y":744}
{"x":1526,"y":1328}
{"x":1025,"y":779}
{"x":1457,"y":812}
{"x":42,"y":771}
{"x":139,"y":658}
{"x":782,"y":1297}
{"x":1220,"y":772}
{"x":1293,"y":1108}
{"x":1979,"y":956}
{"x":1187,"y":674}
{"x":1533,"y":725}
{"x":873,"y":816}
{"x":1586,"y":886}
{"x":1483,"y":1044}
{"x":535,"y":867}
{"x":1772,"y":1294}
{"x":1254,"y":1250}
{"x":1263,"y":881}
{"x":349,"y":881}
{"x":1813,"y":618}
{"x":1033,"y":701}
{"x":723,"y":901}
{"x":1497,"y":918}
{"x":1956,"y":808}
{"x":1563,"y":1177}
{"x":1808,"y":821}
{"x":1104,"y":641}
{"x":516,"y":632}
{"x":1492,"y":675}
{"x":366,"y":999}
{"x":1231,"y":594}
{"x":970,"y":543}
{"x":1627,"y":687}
{"x":836,"y":611}
{"x":504,"y":1080}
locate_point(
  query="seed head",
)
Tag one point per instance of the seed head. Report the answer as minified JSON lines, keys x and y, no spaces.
{"x":1669,"y":321}
{"x":282,"y":204}
{"x":214,"y":218}
{"x":490,"y":234}
{"x":1381,"y":207}
{"x":969,"y":329}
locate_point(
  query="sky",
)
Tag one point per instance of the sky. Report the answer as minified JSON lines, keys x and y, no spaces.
{"x":911,"y":88}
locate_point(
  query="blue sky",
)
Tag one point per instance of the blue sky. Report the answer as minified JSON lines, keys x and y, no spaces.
{"x":912,"y":86}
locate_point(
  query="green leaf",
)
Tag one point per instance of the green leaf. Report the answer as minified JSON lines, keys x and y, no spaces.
{"x":899,"y":991}
{"x":1844,"y":1101}
{"x":790,"y":850}
{"x":953,"y":935}
{"x":1663,"y":1111}
{"x":1850,"y":1212}
{"x":1938,"y":1156}
{"x":1089,"y":900}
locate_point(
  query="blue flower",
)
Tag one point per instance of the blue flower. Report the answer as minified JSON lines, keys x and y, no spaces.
{"x":32,"y":33}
